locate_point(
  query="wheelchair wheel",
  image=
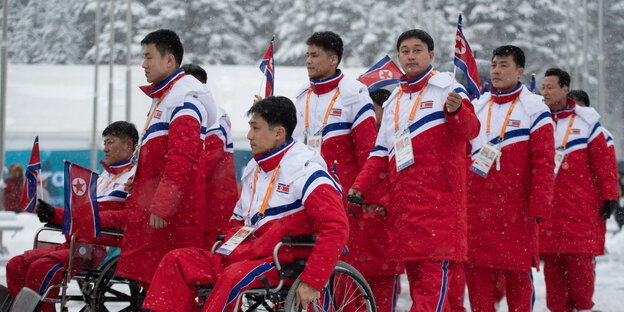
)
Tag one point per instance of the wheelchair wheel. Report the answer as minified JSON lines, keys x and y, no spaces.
{"x":114,"y":293}
{"x":346,"y":290}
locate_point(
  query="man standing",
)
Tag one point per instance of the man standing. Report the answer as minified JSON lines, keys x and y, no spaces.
{"x":421,"y":148}
{"x":336,"y":117}
{"x":585,"y":196}
{"x":287,"y":191}
{"x":510,"y":185}
{"x":166,"y":208}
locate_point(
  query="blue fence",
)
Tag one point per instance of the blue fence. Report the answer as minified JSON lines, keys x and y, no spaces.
{"x":52,"y":166}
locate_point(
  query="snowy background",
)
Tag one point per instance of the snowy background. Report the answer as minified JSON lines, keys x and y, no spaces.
{"x":608,"y":295}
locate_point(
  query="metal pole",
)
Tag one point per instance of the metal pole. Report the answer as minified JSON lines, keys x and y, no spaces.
{"x":111,"y":57}
{"x":575,"y":71}
{"x":567,"y":34}
{"x":128,"y":58}
{"x":585,"y":81}
{"x":601,"y":88}
{"x":419,"y":12}
{"x":3,"y":83}
{"x":95,"y":88}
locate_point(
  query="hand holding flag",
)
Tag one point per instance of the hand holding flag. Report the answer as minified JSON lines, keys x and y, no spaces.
{"x":266,"y":67}
{"x":384,"y":73}
{"x":81,"y":215}
{"x":28,"y":199}
{"x":464,"y":59}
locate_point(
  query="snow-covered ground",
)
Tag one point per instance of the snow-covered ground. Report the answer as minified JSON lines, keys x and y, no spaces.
{"x":609,"y":294}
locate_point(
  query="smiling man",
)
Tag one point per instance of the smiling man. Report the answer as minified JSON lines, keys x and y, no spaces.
{"x":40,"y":268}
{"x":510,"y":185}
{"x":421,"y":148}
{"x":166,"y":208}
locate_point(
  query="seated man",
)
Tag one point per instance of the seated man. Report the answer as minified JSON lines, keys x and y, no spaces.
{"x":39,"y":268}
{"x":287,"y":191}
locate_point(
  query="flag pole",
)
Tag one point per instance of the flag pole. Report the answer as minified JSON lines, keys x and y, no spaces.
{"x":454,"y":65}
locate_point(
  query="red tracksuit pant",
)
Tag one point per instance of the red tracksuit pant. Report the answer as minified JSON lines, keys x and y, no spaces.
{"x":386,"y":289}
{"x":38,"y":269}
{"x":482,"y":290}
{"x":173,"y":286}
{"x":569,"y":281}
{"x":428,"y":284}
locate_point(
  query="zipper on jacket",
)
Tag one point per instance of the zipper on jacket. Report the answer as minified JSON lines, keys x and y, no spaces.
{"x":446,"y":177}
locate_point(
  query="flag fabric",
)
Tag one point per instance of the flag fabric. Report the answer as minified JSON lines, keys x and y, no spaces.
{"x":81,"y":209}
{"x":485,"y":87}
{"x":266,"y":67}
{"x":464,"y":59}
{"x":532,"y":86}
{"x":28,"y":199}
{"x":384,"y":73}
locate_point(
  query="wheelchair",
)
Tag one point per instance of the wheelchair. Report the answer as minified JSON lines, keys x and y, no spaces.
{"x":99,"y":288}
{"x":346,"y":289}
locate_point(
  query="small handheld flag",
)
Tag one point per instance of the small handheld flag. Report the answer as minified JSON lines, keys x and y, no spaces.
{"x":28,"y":199}
{"x":266,"y":67}
{"x":384,"y":73}
{"x":464,"y":59}
{"x":81,"y":215}
{"x":532,"y":86}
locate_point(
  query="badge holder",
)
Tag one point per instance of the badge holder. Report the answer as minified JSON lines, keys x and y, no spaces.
{"x":315,"y":141}
{"x":236,"y":239}
{"x":485,"y":159}
{"x":403,"y":152}
{"x":560,"y":155}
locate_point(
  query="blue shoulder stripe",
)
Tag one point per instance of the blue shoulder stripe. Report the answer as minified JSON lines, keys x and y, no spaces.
{"x":154,"y":128}
{"x":429,"y":118}
{"x":187,"y":105}
{"x":316,"y":175}
{"x":539,"y":118}
{"x":367,"y":107}
{"x":336,"y":126}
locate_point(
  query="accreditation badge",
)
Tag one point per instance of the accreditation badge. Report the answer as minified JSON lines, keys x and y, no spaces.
{"x":315,"y":141}
{"x":485,"y":159}
{"x":403,"y":152}
{"x":559,"y":158}
{"x":236,"y":239}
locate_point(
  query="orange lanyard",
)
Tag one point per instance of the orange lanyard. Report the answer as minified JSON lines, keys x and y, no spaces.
{"x":156,"y":107}
{"x":567,"y":134}
{"x":113,"y":179}
{"x":329,"y":108}
{"x":414,"y":106}
{"x":502,"y":134}
{"x":265,"y":201}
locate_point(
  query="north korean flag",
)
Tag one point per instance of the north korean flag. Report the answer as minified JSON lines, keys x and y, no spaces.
{"x":384,"y":73}
{"x":28,"y":199}
{"x":267,"y":66}
{"x":465,"y":60}
{"x":81,"y":209}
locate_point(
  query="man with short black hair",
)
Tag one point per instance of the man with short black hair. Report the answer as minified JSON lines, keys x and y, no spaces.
{"x":38,"y":269}
{"x":166,"y":209}
{"x":585,"y":196}
{"x":421,"y":148}
{"x":579,"y":97}
{"x":287,"y":191}
{"x":510,"y":186}
{"x":336,"y":117}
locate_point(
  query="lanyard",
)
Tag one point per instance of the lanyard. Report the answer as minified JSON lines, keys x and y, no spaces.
{"x":567,"y":134}
{"x":156,"y":107}
{"x":329,"y":108}
{"x":113,"y":179}
{"x":265,"y":201}
{"x":502,"y":134}
{"x":414,"y":106}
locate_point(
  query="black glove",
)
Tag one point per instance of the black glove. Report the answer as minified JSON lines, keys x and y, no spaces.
{"x":608,"y":207}
{"x":45,"y":211}
{"x":619,"y":216}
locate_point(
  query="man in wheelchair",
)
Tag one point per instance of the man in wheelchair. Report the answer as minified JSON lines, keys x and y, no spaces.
{"x":40,"y":268}
{"x":286,"y":191}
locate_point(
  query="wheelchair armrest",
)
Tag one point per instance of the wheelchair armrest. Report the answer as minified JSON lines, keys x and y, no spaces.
{"x":221,"y":238}
{"x":53,"y":226}
{"x":301,"y":240}
{"x":112,"y":232}
{"x":219,"y":241}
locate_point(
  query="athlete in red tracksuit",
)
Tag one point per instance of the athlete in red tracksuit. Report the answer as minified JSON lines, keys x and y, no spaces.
{"x":166,"y":208}
{"x":221,"y":189}
{"x":427,"y":203}
{"x":287,"y":191}
{"x":585,"y":192}
{"x":335,"y":115}
{"x":40,"y":268}
{"x":504,"y":206}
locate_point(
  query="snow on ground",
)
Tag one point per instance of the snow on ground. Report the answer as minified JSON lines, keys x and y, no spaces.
{"x":609,"y":269}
